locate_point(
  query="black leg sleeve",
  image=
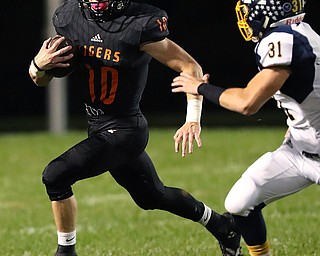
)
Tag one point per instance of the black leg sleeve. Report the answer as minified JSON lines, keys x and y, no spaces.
{"x":253,"y":228}
{"x":181,"y":203}
{"x":141,"y":180}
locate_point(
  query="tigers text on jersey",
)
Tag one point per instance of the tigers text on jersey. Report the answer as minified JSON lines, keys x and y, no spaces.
{"x":298,"y":47}
{"x":116,"y":69}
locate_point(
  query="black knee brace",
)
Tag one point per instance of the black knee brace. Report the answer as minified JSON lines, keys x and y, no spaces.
{"x":57,"y":188}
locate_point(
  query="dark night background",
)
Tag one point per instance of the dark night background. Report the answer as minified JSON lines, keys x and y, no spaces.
{"x":207,"y":29}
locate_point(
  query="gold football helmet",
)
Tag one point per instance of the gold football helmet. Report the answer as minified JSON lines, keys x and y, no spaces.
{"x":257,"y":16}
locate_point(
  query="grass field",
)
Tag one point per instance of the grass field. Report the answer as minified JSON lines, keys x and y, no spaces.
{"x":109,"y":223}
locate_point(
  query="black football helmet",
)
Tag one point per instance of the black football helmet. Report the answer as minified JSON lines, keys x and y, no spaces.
{"x":256,"y":16}
{"x":102,"y":10}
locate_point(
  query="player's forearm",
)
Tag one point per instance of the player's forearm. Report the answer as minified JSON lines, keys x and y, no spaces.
{"x":194,"y":102}
{"x":237,"y":100}
{"x":38,"y":76}
{"x":41,"y":81}
{"x":234,"y":99}
{"x":180,"y":60}
{"x":186,"y":64}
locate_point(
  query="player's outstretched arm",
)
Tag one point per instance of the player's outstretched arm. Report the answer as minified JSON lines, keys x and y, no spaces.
{"x":246,"y":101}
{"x":173,"y":56}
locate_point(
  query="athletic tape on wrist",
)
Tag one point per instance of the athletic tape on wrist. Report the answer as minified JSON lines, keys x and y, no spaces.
{"x":194,"y":109}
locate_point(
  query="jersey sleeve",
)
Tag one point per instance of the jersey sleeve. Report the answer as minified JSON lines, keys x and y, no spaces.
{"x":276,"y":49}
{"x":156,"y":28}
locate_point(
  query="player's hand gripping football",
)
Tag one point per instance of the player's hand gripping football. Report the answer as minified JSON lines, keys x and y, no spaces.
{"x":186,"y":135}
{"x":49,"y":57}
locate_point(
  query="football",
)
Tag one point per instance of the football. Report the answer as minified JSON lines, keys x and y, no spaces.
{"x":62,"y":72}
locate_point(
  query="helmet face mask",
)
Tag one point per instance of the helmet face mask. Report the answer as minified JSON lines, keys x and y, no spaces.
{"x":102,"y":10}
{"x":256,"y":16}
{"x":242,"y":16}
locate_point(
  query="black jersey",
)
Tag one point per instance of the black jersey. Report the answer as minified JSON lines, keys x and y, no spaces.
{"x":116,"y":69}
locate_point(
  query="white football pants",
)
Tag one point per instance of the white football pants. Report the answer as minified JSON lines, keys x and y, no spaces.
{"x":273,"y":176}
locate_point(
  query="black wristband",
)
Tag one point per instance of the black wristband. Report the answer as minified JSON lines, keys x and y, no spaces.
{"x":211,"y":92}
{"x":37,"y":67}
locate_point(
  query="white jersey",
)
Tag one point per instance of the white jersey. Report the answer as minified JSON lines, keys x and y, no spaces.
{"x":295,"y":165}
{"x":298,"y":47}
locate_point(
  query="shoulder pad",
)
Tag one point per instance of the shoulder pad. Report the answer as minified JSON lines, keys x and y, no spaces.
{"x":152,"y":20}
{"x":276,"y":48}
{"x":64,"y":13}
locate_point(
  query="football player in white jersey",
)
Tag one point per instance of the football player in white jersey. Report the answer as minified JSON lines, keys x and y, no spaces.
{"x":288,"y":58}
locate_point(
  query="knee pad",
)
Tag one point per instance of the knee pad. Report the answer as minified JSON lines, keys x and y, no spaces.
{"x":241,"y":199}
{"x":146,"y":202}
{"x":56,"y":187}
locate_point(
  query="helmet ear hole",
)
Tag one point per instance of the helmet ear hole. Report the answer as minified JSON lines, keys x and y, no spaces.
{"x":259,"y":26}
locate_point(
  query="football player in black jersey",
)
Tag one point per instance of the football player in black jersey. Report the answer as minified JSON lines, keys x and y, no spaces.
{"x":116,"y":40}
